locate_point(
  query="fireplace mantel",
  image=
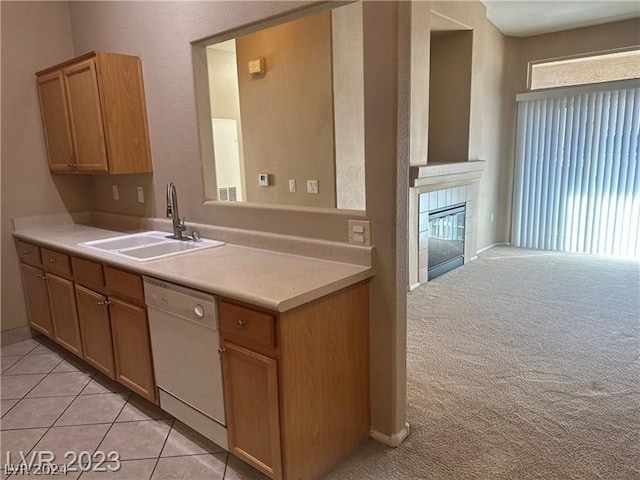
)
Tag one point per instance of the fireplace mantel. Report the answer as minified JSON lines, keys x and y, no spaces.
{"x":445,"y":175}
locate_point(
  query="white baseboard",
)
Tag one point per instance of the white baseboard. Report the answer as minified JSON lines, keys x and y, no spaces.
{"x":414,"y":286}
{"x":392,"y":440}
{"x":497,"y":244}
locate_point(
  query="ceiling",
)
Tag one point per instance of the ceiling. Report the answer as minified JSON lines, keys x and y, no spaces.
{"x":523,"y":18}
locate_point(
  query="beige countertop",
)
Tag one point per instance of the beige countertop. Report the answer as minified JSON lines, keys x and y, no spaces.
{"x":273,"y":280}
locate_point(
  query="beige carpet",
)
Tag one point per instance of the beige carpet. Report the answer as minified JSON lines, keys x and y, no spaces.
{"x":521,"y":365}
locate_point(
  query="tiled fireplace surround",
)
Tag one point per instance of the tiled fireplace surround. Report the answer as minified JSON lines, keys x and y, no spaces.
{"x":436,"y":187}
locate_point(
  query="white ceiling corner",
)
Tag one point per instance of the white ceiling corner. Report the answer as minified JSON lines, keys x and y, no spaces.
{"x":523,"y":18}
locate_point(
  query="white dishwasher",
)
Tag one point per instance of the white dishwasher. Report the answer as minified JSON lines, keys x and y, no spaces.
{"x":185,"y":341}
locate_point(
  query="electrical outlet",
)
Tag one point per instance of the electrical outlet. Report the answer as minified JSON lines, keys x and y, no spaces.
{"x":292,"y":185}
{"x":360,"y":232}
{"x":140,"y":191}
{"x":491,"y":218}
{"x":312,"y":186}
{"x":114,"y":191}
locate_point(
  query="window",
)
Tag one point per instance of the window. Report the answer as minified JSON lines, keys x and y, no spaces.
{"x":584,"y":70}
{"x":577,"y":182}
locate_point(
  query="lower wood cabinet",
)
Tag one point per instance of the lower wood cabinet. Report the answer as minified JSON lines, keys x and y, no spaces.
{"x":93,"y":310}
{"x":35,"y":290}
{"x":296,"y":383}
{"x":95,"y":326}
{"x":253,"y":419}
{"x":132,"y":347}
{"x":62,"y":301}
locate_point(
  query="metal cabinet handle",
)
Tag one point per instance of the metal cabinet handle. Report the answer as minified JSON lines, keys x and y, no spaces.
{"x":241,"y":323}
{"x":41,"y":276}
{"x":52,"y":260}
{"x":221,"y":350}
{"x":26,"y":252}
{"x":104,"y":302}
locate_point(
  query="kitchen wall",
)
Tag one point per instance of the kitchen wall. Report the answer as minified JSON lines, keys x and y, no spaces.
{"x":287,"y":113}
{"x":35,"y":35}
{"x":160,"y":34}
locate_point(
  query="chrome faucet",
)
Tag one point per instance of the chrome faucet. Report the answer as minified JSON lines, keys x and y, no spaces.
{"x":172,"y":212}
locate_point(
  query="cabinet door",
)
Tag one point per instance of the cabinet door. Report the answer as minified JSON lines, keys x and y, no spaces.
{"x":35,"y":290}
{"x":64,"y":315}
{"x":85,"y":117}
{"x":132,"y":348}
{"x":95,"y":327}
{"x":55,"y":121}
{"x":251,"y":398}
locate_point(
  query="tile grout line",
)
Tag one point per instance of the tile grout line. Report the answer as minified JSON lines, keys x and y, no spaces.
{"x":6,"y":374}
{"x":62,"y":413}
{"x":27,"y":392}
{"x":127,"y":395}
{"x":110,"y":426}
{"x":97,"y":423}
{"x":173,"y":422}
{"x":226,"y":465}
{"x":58,"y":418}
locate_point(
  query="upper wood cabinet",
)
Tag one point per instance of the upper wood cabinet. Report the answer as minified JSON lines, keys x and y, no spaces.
{"x":94,"y":115}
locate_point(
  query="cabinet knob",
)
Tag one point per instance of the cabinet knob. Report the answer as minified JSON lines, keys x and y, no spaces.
{"x":41,"y":276}
{"x":241,"y":323}
{"x":52,"y":260}
{"x":104,"y":302}
{"x":221,"y":350}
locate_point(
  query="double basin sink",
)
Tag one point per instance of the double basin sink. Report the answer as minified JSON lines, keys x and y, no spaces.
{"x":147,"y":246}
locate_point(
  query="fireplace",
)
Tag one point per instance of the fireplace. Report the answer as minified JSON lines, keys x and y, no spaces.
{"x":446,"y":239}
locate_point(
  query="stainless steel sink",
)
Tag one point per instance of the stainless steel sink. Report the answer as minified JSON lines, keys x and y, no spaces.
{"x":147,"y":246}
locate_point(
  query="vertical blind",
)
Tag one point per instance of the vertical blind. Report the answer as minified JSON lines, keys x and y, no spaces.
{"x":577,"y":182}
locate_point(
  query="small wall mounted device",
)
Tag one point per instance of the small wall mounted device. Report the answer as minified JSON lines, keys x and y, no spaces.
{"x":257,"y":67}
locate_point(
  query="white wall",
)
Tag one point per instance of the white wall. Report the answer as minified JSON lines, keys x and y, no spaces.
{"x":348,"y":105}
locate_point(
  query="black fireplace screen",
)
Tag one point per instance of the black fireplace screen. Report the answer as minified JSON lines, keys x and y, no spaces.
{"x":446,"y":240}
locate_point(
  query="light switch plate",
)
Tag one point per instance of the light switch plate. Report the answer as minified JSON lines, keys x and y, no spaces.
{"x":292,"y":185}
{"x":114,"y":191}
{"x":360,"y":232}
{"x":263,"y":179}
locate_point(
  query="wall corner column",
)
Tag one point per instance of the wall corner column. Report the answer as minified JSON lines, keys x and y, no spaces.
{"x":387,"y":81}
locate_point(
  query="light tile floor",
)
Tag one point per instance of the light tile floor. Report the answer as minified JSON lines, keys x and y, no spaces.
{"x":54,"y":402}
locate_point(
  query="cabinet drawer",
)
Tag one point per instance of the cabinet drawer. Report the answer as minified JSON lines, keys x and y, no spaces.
{"x":86,"y":272}
{"x":56,"y":262}
{"x":28,"y":253}
{"x":246,"y":327}
{"x":128,"y":285}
